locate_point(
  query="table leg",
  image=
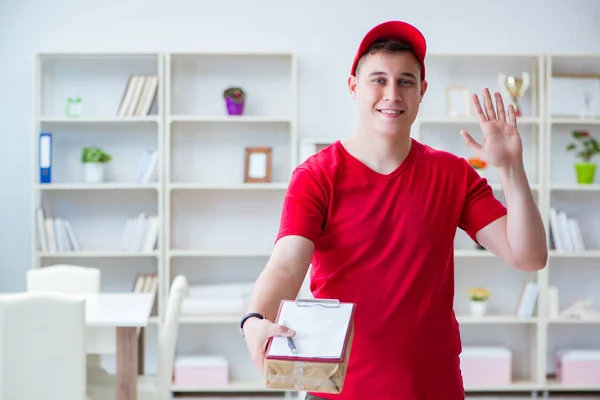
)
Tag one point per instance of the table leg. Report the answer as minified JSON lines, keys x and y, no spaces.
{"x":141,"y":350}
{"x":127,"y":360}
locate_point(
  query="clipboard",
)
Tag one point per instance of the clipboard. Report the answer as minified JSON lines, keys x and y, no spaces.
{"x":324,"y":332}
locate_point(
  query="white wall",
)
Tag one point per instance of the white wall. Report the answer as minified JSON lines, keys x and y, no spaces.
{"x":324,"y":34}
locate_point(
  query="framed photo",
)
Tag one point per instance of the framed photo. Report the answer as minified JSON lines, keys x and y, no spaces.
{"x":258,"y":163}
{"x":457,"y":101}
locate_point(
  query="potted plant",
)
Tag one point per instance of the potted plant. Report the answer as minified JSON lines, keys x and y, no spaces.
{"x":478,"y":297}
{"x":94,"y":160}
{"x":235,"y":100}
{"x":585,"y":147}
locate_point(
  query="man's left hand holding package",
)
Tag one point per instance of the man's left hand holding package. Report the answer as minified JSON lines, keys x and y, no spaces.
{"x":316,"y":358}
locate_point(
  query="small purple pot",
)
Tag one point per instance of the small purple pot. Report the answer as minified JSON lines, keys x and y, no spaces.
{"x":234,"y":108}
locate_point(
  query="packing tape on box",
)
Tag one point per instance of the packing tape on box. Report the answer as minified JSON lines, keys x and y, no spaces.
{"x":301,"y":382}
{"x":298,"y":374}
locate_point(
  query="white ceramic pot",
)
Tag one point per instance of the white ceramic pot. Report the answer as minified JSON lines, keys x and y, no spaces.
{"x":478,"y":308}
{"x":94,"y":172}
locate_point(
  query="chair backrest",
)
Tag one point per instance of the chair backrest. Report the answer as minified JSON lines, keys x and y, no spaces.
{"x":64,"y":278}
{"x":75,"y":280}
{"x":42,"y":347}
{"x":167,"y":342}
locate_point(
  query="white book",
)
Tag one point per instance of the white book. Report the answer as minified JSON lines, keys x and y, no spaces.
{"x":139,"y":232}
{"x":555,"y":230}
{"x":575,"y":233}
{"x":41,"y":231}
{"x":58,"y":235}
{"x":142,"y":166}
{"x":51,"y":238}
{"x":127,"y":95}
{"x":150,"y":166}
{"x":139,"y":83}
{"x":151,"y":234}
{"x":71,"y":234}
{"x":564,"y":231}
{"x":126,"y":238}
{"x":147,"y":96}
{"x":527,"y":300}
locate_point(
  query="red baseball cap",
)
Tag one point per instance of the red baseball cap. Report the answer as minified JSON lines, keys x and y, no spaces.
{"x":397,"y":30}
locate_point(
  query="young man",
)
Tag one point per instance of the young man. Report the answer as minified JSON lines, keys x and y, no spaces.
{"x":377,"y":214}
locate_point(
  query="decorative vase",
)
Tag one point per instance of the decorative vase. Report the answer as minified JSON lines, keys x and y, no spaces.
{"x":234,"y":108}
{"x":478,"y":308}
{"x":94,"y":172}
{"x":585,"y":172}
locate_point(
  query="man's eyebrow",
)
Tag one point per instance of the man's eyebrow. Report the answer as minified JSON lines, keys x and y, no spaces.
{"x":379,"y":73}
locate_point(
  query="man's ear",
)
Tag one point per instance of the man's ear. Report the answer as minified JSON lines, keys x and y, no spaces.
{"x":352,"y":85}
{"x":423,"y":89}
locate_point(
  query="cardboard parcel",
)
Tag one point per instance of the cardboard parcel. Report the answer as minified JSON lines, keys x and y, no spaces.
{"x":316,"y":358}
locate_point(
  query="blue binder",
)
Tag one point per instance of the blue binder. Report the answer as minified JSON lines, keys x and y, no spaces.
{"x":45,"y":157}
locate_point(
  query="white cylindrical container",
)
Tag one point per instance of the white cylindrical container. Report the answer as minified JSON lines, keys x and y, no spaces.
{"x":478,"y":308}
{"x":94,"y":172}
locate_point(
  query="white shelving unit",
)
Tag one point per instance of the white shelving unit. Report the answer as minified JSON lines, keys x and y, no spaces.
{"x":219,"y":228}
{"x":215,"y":228}
{"x":98,"y":212}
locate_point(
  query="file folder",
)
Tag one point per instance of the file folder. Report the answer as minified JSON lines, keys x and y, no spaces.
{"x":45,"y":157}
{"x":323,"y":341}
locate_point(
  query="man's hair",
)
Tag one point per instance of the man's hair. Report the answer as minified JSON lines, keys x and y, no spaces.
{"x":385,"y":46}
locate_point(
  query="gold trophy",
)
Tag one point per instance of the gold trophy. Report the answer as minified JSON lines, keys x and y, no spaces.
{"x":515,"y":87}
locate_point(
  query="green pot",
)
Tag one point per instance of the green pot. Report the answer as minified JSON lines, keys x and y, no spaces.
{"x":585,"y":172}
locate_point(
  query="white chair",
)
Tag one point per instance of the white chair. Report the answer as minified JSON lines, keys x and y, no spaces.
{"x":64,"y":278}
{"x":42,"y":347}
{"x":77,"y":280}
{"x":153,"y":387}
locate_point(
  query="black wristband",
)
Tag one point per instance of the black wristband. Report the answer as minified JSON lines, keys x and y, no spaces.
{"x":249,"y":315}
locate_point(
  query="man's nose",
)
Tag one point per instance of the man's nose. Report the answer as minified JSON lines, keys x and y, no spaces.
{"x":392,"y":93}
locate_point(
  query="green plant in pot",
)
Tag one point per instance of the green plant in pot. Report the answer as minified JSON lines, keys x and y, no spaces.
{"x":585,"y":147}
{"x":94,"y":160}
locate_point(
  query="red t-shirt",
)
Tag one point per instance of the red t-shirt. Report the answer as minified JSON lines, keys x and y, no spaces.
{"x":385,"y":243}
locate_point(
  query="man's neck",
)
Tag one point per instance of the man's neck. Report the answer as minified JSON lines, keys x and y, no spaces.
{"x":381,"y":154}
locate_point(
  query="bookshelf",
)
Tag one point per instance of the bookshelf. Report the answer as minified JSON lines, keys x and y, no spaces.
{"x":217,"y":229}
{"x":220,"y":228}
{"x":97,"y":212}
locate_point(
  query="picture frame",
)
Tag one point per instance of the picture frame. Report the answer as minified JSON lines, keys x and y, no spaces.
{"x":257,"y":165}
{"x":457,"y":101}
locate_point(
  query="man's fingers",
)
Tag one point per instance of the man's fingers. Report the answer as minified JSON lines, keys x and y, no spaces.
{"x":500,"y":107}
{"x":489,"y":106}
{"x":280,"y":330}
{"x":481,"y":117}
{"x":512,"y":115}
{"x":472,"y":143}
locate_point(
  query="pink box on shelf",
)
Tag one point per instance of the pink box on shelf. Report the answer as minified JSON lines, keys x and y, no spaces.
{"x":486,"y":366}
{"x":200,"y":371}
{"x":579,"y":367}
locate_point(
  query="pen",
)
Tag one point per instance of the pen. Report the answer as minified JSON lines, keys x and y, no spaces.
{"x":291,"y":344}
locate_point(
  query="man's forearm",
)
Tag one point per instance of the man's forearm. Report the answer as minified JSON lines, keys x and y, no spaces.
{"x":524,"y":227}
{"x":272,"y":286}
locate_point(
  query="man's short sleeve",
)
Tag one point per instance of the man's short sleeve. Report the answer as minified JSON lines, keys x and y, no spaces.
{"x":304,"y":206}
{"x":481,"y":207}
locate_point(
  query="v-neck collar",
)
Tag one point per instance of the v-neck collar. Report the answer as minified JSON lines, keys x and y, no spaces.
{"x":408,"y":160}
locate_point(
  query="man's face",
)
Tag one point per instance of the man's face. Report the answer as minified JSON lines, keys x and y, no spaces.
{"x":388,"y":90}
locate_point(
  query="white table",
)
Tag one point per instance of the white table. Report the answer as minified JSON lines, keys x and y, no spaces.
{"x":126,"y":312}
